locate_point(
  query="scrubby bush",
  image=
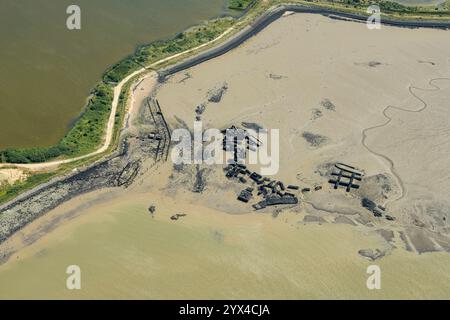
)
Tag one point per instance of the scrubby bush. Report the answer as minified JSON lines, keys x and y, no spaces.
{"x":239,"y":4}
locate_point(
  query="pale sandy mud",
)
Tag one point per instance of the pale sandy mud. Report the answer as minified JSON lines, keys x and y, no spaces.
{"x":321,"y":90}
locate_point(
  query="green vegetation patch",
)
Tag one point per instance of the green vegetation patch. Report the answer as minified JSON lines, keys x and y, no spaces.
{"x":183,"y":41}
{"x":117,"y":72}
{"x":239,"y":4}
{"x":153,"y":52}
{"x":88,"y":132}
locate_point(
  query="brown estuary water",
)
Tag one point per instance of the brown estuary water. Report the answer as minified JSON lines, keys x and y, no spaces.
{"x":47,"y":71}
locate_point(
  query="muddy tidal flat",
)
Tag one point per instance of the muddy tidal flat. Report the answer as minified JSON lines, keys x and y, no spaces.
{"x":376,"y":100}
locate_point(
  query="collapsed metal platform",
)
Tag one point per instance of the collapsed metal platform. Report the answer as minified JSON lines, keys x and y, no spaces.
{"x":346,"y":176}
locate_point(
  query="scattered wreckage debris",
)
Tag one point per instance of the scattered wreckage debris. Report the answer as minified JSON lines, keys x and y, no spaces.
{"x":253,"y":126}
{"x":371,"y":254}
{"x":200,"y":182}
{"x":274,"y":76}
{"x":346,"y":176}
{"x":246,"y":195}
{"x":152,"y":210}
{"x":377,"y":210}
{"x":276,"y":199}
{"x":238,"y":140}
{"x":234,"y":134}
{"x":368,"y":204}
{"x":315,"y":140}
{"x":273,"y":192}
{"x":177,"y":216}
{"x":215,"y":95}
{"x":128,"y":174}
{"x":327,"y":104}
{"x":162,"y":132}
{"x":199,"y":111}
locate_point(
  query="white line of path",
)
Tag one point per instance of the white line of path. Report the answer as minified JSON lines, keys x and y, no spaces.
{"x":115,"y":102}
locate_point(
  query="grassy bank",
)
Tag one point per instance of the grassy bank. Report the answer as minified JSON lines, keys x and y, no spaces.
{"x":149,"y":54}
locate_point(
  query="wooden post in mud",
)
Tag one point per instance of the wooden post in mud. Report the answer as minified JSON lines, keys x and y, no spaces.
{"x":157,"y":150}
